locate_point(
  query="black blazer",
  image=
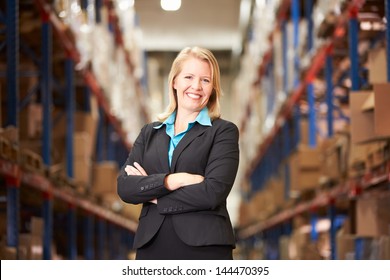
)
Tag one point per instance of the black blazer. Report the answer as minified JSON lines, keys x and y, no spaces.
{"x":199,"y":213}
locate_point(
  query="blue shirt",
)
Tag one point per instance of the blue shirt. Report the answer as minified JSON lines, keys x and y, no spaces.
{"x":202,"y":118}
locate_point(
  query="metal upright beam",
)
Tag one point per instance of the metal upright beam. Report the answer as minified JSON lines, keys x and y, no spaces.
{"x":98,"y":4}
{"x":313,"y":222}
{"x":89,"y":248}
{"x":353,"y":48}
{"x":12,"y":75}
{"x":333,"y":230}
{"x":101,"y":239}
{"x":329,"y":93}
{"x":12,"y":40}
{"x":312,"y":115}
{"x":70,"y":111}
{"x":310,"y":24}
{"x":72,"y":232}
{"x":46,"y":87}
{"x":310,"y":87}
{"x":13,"y":211}
{"x":295,"y":10}
{"x":359,"y":248}
{"x":48,"y":225}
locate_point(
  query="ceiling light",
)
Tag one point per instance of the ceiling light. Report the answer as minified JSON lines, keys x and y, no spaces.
{"x":170,"y":5}
{"x":125,"y":4}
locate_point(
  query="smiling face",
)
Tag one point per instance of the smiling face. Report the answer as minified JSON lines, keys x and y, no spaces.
{"x":193,"y":85}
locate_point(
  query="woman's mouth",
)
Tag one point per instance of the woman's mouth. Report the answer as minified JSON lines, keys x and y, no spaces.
{"x":193,"y":95}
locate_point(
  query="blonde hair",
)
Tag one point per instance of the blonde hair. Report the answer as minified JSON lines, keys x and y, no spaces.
{"x":177,"y":65}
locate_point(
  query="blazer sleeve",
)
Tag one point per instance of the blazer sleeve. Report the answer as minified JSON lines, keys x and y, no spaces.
{"x":139,"y":189}
{"x":220,"y":174}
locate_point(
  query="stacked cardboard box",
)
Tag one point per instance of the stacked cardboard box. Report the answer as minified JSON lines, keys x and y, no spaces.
{"x":31,"y":244}
{"x":305,"y":169}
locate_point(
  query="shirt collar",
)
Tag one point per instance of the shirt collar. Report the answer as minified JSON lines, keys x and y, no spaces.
{"x":203,"y":118}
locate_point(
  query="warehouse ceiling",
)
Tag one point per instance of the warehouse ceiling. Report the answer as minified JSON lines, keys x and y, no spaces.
{"x":219,"y":25}
{"x":214,"y":24}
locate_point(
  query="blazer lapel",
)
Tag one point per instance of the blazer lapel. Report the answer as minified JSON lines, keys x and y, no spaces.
{"x":162,"y":148}
{"x":194,"y":132}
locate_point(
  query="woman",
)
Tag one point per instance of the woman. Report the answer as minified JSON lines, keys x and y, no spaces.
{"x":183,"y":168}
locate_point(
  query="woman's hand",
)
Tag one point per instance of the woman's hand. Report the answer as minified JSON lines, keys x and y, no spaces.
{"x":136,"y":170}
{"x":178,"y":180}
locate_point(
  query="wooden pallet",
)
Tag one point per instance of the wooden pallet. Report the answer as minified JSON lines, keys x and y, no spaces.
{"x":8,"y":150}
{"x":31,"y":161}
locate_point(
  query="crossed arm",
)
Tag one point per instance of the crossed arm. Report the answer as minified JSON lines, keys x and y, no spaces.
{"x":172,"y":181}
{"x":183,"y":191}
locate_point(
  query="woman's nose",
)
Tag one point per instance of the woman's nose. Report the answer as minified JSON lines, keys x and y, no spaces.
{"x":196,"y":84}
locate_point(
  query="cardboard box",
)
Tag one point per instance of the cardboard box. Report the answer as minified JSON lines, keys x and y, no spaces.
{"x":369,"y":114}
{"x":30,"y":121}
{"x":345,"y":246}
{"x":377,"y":68}
{"x":305,"y":171}
{"x":381,"y":110}
{"x":373,"y":215}
{"x":37,"y":226}
{"x":304,"y":132}
{"x":8,"y":253}
{"x":81,"y":146}
{"x":83,"y":122}
{"x":362,"y":121}
{"x":384,"y":248}
{"x":377,"y":154}
{"x":104,"y":177}
{"x":30,"y":247}
{"x":275,"y":185}
{"x":334,"y":157}
{"x":82,"y":171}
{"x":308,"y":157}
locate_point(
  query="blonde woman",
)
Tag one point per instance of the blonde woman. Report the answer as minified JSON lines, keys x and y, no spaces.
{"x":183,"y":167}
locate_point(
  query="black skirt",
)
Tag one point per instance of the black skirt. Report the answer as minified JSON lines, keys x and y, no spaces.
{"x":167,"y":245}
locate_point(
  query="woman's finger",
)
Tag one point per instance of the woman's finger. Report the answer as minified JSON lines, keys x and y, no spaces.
{"x":140,"y":169}
{"x":128,"y":170}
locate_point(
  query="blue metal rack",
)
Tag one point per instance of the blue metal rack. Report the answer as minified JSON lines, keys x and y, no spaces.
{"x":329,"y":93}
{"x":12,"y":41}
{"x":353,"y":49}
{"x":15,"y":177}
{"x":258,"y":172}
{"x":89,"y":225}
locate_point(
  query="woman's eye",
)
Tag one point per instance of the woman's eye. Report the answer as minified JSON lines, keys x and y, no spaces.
{"x":187,"y":77}
{"x":206,"y":81}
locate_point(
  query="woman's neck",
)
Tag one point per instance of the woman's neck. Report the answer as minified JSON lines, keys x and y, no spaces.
{"x":182,"y":120}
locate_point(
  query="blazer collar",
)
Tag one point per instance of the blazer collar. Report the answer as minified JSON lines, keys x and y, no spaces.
{"x":193,"y":133}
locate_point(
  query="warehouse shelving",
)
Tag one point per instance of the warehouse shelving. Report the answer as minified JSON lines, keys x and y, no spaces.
{"x":14,"y":175}
{"x":12,"y":172}
{"x":90,"y":79}
{"x":270,"y":156}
